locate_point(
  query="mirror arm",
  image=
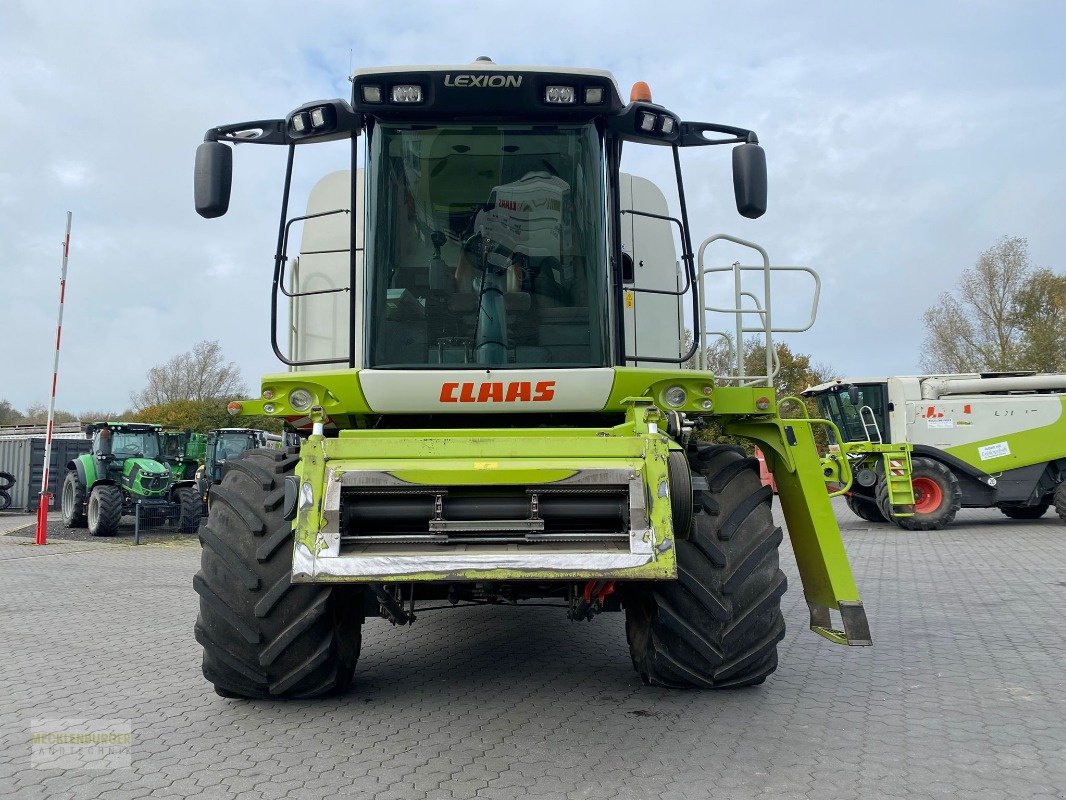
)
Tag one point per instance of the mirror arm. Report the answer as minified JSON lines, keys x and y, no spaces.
{"x":692,"y":134}
{"x":266,"y":131}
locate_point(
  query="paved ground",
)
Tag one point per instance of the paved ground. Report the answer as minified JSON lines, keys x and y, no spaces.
{"x":964,"y":694}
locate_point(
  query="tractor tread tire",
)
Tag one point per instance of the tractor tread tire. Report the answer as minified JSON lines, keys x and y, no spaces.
{"x":108,"y":500}
{"x":74,"y":516}
{"x":189,"y":508}
{"x":262,"y":635}
{"x":717,"y":626}
{"x":951,"y":497}
{"x":1025,"y":512}
{"x":1060,"y":501}
{"x":865,"y":507}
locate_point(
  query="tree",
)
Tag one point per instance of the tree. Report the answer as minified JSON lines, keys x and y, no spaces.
{"x":202,"y":416}
{"x":977,"y":327}
{"x":795,"y":370}
{"x":1040,"y":314}
{"x":9,"y":415}
{"x":200,"y":375}
{"x":37,"y":414}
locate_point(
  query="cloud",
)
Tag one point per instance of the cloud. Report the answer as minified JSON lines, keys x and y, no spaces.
{"x":897,"y":152}
{"x":72,"y":174}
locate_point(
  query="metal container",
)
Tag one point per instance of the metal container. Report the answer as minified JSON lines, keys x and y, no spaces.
{"x":24,"y":458}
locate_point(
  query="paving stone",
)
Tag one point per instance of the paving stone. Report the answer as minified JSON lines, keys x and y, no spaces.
{"x":961,"y":696}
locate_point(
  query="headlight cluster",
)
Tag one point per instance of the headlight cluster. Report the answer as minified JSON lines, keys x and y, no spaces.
{"x":694,"y":398}
{"x":650,"y":122}
{"x":403,"y":93}
{"x":299,"y":399}
{"x":568,"y":95}
{"x":314,"y":121}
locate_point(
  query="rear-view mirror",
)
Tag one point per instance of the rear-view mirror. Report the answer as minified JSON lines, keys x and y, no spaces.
{"x":749,"y":180}
{"x":212,"y":179}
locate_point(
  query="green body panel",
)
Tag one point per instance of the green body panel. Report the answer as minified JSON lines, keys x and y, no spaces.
{"x":135,"y":483}
{"x":1033,"y":446}
{"x":512,"y":457}
{"x":88,"y":464}
{"x":791,"y":455}
{"x":538,"y":456}
{"x":341,"y":397}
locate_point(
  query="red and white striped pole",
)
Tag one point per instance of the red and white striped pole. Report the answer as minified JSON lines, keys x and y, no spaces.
{"x":46,"y":497}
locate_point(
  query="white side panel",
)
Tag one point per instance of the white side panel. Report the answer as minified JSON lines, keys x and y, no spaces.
{"x":952,"y":421}
{"x":319,"y":324}
{"x":653,"y":323}
{"x":486,"y":391}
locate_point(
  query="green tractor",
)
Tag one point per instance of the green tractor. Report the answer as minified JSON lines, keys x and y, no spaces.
{"x":183,"y":450}
{"x":126,"y":468}
{"x":490,"y":359}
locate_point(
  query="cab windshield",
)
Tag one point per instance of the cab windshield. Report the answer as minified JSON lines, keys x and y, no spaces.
{"x":129,"y":445}
{"x":836,"y":406}
{"x":486,"y":245}
{"x":232,"y":444}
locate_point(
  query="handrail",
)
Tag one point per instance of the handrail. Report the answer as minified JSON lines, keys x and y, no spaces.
{"x":763,"y":311}
{"x":866,"y":425}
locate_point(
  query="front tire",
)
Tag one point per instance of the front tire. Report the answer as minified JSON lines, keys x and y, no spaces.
{"x":864,"y":507}
{"x":937,"y":496}
{"x":189,"y":507}
{"x":264,"y":636}
{"x":1060,"y":501}
{"x":717,"y":626}
{"x":105,"y":510}
{"x":72,"y":501}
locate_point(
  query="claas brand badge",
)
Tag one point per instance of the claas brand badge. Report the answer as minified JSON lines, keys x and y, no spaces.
{"x":498,"y":392}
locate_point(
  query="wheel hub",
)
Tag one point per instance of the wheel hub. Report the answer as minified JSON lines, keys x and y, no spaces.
{"x":927,"y":495}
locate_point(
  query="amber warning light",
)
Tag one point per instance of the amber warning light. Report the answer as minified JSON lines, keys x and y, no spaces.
{"x":640,"y":93}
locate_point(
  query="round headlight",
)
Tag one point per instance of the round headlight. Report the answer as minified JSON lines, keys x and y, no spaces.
{"x":675,"y":396}
{"x":301,"y":399}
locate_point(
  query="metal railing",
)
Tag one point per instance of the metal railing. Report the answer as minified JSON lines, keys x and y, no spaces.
{"x":762,"y":311}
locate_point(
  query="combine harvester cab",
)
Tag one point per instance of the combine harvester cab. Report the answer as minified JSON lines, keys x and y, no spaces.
{"x":962,"y":441}
{"x":486,"y":336}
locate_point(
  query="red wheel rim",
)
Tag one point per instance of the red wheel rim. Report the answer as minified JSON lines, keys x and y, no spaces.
{"x":927,"y":495}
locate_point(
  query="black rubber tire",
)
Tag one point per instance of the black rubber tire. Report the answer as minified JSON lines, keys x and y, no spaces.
{"x":865,"y":507}
{"x":950,"y":497}
{"x":262,"y":635}
{"x":717,"y":626}
{"x":1025,"y":512}
{"x":105,"y":510}
{"x":1060,"y":501}
{"x":72,"y":501}
{"x":5,"y":499}
{"x":7,"y":480}
{"x":189,"y":507}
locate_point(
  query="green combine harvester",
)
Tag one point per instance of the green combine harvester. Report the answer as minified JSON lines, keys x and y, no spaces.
{"x":974,"y":440}
{"x":125,"y":469}
{"x":489,"y":371}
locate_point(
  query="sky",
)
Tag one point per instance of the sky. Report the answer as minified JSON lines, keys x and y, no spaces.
{"x":902,"y":140}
